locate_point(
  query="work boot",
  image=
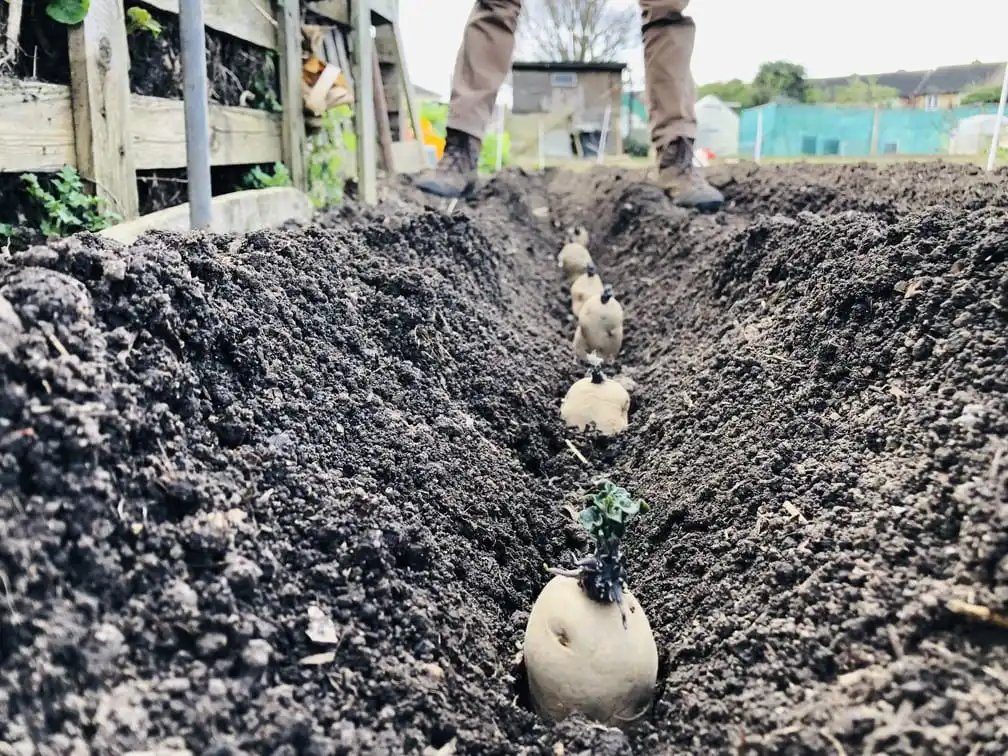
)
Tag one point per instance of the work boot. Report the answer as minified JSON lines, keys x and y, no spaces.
{"x":455,"y":175}
{"x":684,"y":181}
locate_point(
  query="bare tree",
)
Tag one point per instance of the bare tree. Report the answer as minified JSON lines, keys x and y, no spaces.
{"x":578,"y":30}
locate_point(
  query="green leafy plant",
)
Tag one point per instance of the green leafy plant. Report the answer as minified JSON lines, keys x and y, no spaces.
{"x":326,"y":157}
{"x":69,"y":208}
{"x":636,"y":148}
{"x":488,"y":152}
{"x":436,"y":114}
{"x":264,"y":95}
{"x":140,"y":19}
{"x":257,"y":178}
{"x":68,"y":12}
{"x":6,"y":230}
{"x":602,"y":574}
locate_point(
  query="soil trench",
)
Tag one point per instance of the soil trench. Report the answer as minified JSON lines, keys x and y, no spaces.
{"x":293,"y":492}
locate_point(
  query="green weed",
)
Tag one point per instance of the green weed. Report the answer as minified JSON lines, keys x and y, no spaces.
{"x":68,"y":208}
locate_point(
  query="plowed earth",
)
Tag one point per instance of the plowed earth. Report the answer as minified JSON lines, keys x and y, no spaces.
{"x":292,"y":493}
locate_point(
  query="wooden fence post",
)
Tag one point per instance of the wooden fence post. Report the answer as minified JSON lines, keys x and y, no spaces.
{"x":100,"y":92}
{"x":288,"y":13}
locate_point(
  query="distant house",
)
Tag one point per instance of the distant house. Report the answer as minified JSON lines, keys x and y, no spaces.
{"x":935,"y":89}
{"x":580,"y":90}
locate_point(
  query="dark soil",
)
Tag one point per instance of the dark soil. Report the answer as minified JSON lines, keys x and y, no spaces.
{"x":43,"y":44}
{"x":238,"y":73}
{"x":203,"y":438}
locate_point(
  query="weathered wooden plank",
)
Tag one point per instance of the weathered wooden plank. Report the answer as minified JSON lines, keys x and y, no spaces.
{"x":99,"y":91}
{"x":407,"y":159}
{"x":294,"y":138}
{"x":237,"y":212}
{"x":251,"y":20}
{"x":382,"y":116}
{"x":341,"y":11}
{"x":408,"y":95}
{"x":36,"y":127}
{"x":334,"y":10}
{"x":238,"y":136}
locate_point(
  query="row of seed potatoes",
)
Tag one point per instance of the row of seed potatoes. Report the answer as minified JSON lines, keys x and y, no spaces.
{"x":588,"y":647}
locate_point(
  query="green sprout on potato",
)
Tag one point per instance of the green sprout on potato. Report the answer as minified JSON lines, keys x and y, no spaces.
{"x":602,"y":574}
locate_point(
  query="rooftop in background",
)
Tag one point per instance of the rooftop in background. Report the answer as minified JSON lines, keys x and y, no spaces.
{"x":571,"y":65}
{"x":423,"y":93}
{"x":941,"y":80}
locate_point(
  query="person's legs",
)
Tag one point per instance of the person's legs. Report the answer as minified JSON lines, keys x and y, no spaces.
{"x":670,"y":92}
{"x":481,"y":66}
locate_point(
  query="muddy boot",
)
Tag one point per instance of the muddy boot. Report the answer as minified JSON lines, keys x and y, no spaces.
{"x":684,"y":181}
{"x":455,"y":175}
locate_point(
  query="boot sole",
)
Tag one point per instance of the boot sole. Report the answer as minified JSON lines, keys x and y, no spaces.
{"x":440,"y":191}
{"x":711,"y":206}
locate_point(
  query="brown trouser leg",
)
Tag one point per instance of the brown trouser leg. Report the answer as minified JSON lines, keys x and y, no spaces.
{"x":482,"y":65}
{"x":670,"y":91}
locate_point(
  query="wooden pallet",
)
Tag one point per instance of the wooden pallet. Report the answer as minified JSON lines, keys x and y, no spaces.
{"x":380,"y":104}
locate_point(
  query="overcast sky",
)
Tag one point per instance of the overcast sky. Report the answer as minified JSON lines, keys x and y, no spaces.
{"x":735,"y":36}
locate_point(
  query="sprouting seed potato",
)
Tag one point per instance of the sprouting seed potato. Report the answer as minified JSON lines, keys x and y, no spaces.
{"x":578,"y":235}
{"x":587,"y":285}
{"x":596,"y":400}
{"x":600,"y":326}
{"x":574,"y":258}
{"x":580,"y":658}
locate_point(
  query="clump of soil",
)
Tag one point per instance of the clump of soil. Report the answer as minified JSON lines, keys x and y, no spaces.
{"x":205,"y":437}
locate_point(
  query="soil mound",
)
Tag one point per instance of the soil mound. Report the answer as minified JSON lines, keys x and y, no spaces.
{"x":823,"y":414}
{"x":292,"y":492}
{"x":205,"y":437}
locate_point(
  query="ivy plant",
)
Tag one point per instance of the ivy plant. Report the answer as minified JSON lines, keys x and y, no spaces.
{"x":68,"y":207}
{"x":68,"y":12}
{"x":257,"y":178}
{"x":140,"y":20}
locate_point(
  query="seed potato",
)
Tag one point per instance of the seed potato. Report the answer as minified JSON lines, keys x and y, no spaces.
{"x":578,"y":235}
{"x":579,"y":657}
{"x":587,"y":285}
{"x":597,"y":401}
{"x":574,"y":258}
{"x":600,"y":327}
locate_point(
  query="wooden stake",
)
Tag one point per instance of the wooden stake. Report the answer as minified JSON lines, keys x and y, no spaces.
{"x":294,"y":137}
{"x":100,"y":91}
{"x":382,"y":116}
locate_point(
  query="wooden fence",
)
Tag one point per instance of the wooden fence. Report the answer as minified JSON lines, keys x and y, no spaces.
{"x":108,"y":134}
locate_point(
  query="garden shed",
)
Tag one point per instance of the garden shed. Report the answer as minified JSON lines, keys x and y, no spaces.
{"x":572,"y":98}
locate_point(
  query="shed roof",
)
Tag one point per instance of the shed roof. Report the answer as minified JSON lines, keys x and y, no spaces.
{"x":569,"y":65}
{"x":940,"y":80}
